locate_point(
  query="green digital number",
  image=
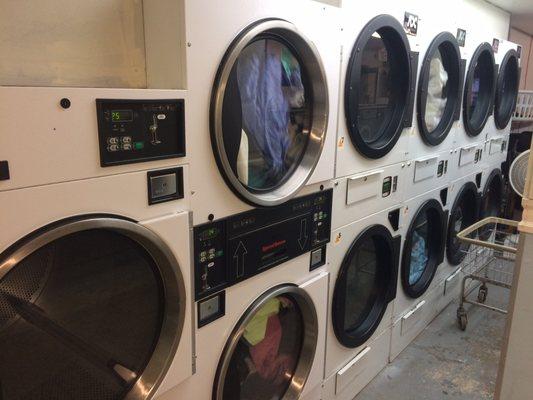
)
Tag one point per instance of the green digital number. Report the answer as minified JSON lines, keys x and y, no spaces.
{"x":115,"y":116}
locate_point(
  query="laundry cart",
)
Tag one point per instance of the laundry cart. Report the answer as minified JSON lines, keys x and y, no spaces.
{"x":490,"y":246}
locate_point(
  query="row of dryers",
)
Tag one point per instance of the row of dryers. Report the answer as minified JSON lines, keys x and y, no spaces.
{"x":277,"y":230}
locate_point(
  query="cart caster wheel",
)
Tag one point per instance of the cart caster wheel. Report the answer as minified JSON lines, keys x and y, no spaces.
{"x":482,"y":294}
{"x":462,"y":319}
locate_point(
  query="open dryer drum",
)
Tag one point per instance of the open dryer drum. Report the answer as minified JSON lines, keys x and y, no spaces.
{"x":270,"y":352}
{"x":89,"y":309}
{"x":439,"y":93}
{"x":366,"y":284}
{"x":269,"y":111}
{"x":479,"y":90}
{"x":424,"y":246}
{"x":378,"y":87}
{"x":506,"y":89}
{"x":464,"y":212}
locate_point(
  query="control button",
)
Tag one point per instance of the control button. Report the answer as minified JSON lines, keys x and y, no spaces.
{"x":113,"y":147}
{"x":112,"y":140}
{"x":127,"y":146}
{"x":203,"y":259}
{"x":212,"y":251}
{"x":115,"y":127}
{"x":163,"y":185}
{"x":161,"y":117}
{"x":203,"y":254}
{"x":126,"y":139}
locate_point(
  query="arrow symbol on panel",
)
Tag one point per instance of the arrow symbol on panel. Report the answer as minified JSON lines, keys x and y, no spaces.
{"x":238,"y":257}
{"x":302,"y":240}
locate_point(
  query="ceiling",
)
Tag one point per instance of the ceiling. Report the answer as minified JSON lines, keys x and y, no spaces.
{"x":521,"y":13}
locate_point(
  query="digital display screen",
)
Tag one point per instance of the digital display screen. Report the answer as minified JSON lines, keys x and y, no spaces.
{"x":121,"y":115}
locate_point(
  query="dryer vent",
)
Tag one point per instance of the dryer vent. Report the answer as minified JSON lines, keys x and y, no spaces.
{"x":478,"y":179}
{"x":394,"y":219}
{"x":444,"y":196}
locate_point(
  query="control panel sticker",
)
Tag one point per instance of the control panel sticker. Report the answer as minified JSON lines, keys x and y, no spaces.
{"x":236,"y":248}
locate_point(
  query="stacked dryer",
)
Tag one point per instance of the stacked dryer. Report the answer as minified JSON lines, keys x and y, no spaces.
{"x":426,"y":202}
{"x":95,"y":293}
{"x":264,"y":113}
{"x":378,"y":74}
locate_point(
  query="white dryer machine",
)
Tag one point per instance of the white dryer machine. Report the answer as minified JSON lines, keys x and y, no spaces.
{"x":95,"y":298}
{"x":421,"y":270}
{"x":264,"y":112}
{"x":261,"y":288}
{"x":378,"y":81}
{"x":363,"y":264}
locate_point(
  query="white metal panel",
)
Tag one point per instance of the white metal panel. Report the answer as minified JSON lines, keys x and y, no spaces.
{"x":45,"y":143}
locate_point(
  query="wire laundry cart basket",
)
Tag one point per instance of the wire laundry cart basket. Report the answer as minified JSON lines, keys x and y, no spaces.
{"x":490,"y":246}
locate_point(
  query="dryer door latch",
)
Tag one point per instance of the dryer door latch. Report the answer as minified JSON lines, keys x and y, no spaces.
{"x":4,"y":170}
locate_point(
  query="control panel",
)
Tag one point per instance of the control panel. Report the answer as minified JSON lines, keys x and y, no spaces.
{"x":233,"y":249}
{"x":132,"y":131}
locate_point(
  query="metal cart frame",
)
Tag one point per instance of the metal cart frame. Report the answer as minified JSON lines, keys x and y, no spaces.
{"x":490,"y":258}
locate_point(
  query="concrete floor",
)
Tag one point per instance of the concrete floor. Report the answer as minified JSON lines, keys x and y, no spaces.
{"x":445,"y":363}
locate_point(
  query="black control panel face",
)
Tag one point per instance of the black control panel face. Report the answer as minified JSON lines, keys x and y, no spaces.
{"x":233,"y":249}
{"x":132,"y":131}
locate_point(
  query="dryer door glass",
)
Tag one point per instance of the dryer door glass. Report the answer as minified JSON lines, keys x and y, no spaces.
{"x":437,"y":96}
{"x":80,"y":318}
{"x":423,"y":249}
{"x":267,"y":116}
{"x":271,"y":348}
{"x":463,"y":214}
{"x":419,"y":248}
{"x":269,"y":111}
{"x":479,"y":89}
{"x":491,"y":202}
{"x":438,"y":88}
{"x":377,"y":95}
{"x":507,"y":89}
{"x":265,"y":359}
{"x":362,"y":286}
{"x":377,"y":87}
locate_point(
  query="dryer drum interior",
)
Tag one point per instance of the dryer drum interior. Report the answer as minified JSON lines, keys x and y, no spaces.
{"x":491,"y":202}
{"x":463,"y":214}
{"x":269,"y":111}
{"x":479,"y":90}
{"x":377,"y":88}
{"x":439,"y":88}
{"x":507,"y":89}
{"x":89,"y":309}
{"x":424,"y":248}
{"x":270,"y":352}
{"x":365,"y":285}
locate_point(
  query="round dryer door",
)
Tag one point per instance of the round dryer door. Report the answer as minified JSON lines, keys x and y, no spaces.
{"x":424,"y":248}
{"x":269,"y":111}
{"x":365,"y":285}
{"x":377,"y":86}
{"x":479,"y":90}
{"x":491,"y":201}
{"x":463,"y":214}
{"x":506,"y":89}
{"x":439,"y":88}
{"x":89,"y":309}
{"x":270,"y":352}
